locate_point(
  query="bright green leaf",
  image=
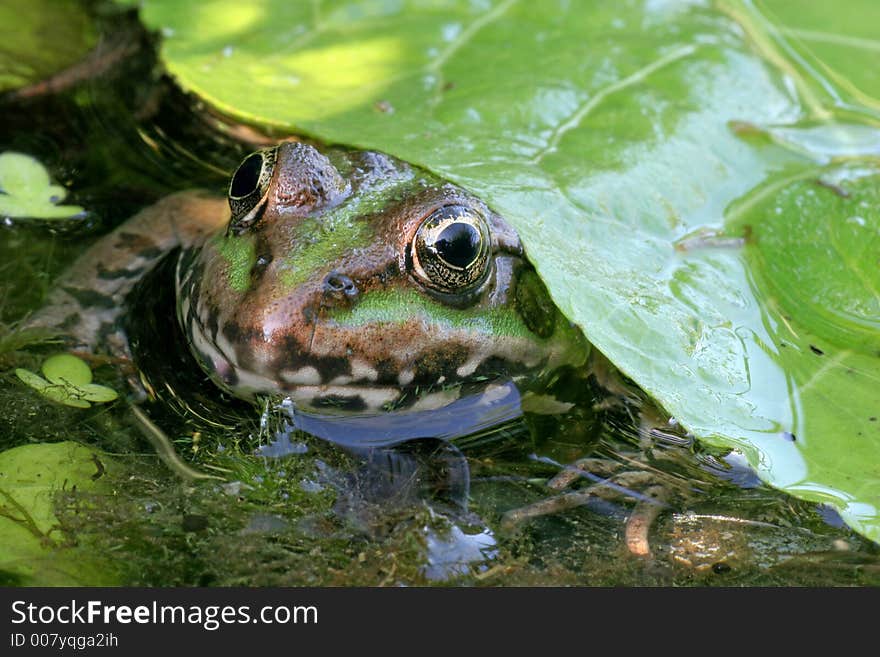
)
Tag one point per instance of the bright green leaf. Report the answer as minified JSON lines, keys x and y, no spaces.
{"x":31,"y":546}
{"x":66,"y":368}
{"x":70,"y":382}
{"x":97,"y":393}
{"x":841,"y":40}
{"x":58,"y":392}
{"x":641,"y":150}
{"x":26,"y":190}
{"x":35,"y":381}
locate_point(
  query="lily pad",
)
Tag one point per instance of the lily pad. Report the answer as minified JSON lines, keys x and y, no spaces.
{"x":69,"y":382}
{"x":40,"y":38}
{"x":33,"y":550}
{"x":27,"y":191}
{"x":642,"y":150}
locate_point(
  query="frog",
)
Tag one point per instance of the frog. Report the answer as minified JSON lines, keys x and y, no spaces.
{"x":345,"y":281}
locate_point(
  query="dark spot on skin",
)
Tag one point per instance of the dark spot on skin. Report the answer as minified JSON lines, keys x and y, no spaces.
{"x":495,"y":367}
{"x":354,"y":403}
{"x":106,"y":330}
{"x":113,"y":274}
{"x":245,"y":358}
{"x":788,"y":436}
{"x":69,"y":322}
{"x":391,"y":271}
{"x":205,"y":360}
{"x":212,"y":324}
{"x":331,"y":366}
{"x":387,"y":373}
{"x":135,"y":242}
{"x":444,"y":362}
{"x":233,"y":332}
{"x":91,"y":298}
{"x":291,"y":356}
{"x":230,"y":377}
{"x":872,"y":419}
{"x":141,"y":245}
{"x":816,"y":350}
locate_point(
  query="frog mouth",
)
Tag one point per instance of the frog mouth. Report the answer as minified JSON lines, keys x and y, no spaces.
{"x":437,"y":418}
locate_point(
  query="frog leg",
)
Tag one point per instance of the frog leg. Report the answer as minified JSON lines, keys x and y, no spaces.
{"x":626,"y":476}
{"x":648,"y":504}
{"x":86,"y":301}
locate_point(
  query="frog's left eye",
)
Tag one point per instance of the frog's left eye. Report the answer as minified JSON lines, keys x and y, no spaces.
{"x":248,"y":187}
{"x":450,"y":251}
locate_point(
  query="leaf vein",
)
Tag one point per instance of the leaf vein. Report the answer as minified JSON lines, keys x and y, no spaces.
{"x":583,"y":111}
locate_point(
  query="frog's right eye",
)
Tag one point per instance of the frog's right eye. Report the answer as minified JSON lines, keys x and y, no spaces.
{"x":248,"y":187}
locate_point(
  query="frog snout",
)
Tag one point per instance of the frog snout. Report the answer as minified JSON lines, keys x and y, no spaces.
{"x":340,"y":288}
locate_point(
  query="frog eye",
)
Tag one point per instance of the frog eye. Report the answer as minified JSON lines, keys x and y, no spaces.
{"x":248,"y":187}
{"x":450,"y":251}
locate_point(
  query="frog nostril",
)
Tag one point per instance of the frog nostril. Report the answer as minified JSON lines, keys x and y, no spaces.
{"x":340,"y":286}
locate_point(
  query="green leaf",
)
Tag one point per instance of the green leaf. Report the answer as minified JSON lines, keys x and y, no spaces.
{"x":70,"y":382}
{"x":642,"y":151}
{"x":58,"y":392}
{"x":35,"y":381}
{"x":27,"y":191}
{"x":41,"y":37}
{"x":65,"y":368}
{"x":98,"y":393}
{"x":31,"y":545}
{"x":842,"y":42}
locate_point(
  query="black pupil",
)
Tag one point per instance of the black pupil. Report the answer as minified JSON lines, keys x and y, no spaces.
{"x":458,"y":244}
{"x":247,"y":177}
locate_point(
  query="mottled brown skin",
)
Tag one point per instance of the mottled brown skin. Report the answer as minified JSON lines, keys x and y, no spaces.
{"x":86,"y":302}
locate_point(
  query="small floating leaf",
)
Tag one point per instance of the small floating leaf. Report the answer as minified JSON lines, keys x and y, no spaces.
{"x":35,"y":381}
{"x":27,"y":191}
{"x":65,"y":368}
{"x":70,"y":382}
{"x":67,"y":395}
{"x":98,"y":393}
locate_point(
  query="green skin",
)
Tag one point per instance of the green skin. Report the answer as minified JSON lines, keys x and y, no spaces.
{"x":313,"y":289}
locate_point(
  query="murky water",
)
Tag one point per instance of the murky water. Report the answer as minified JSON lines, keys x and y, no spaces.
{"x":614,"y":493}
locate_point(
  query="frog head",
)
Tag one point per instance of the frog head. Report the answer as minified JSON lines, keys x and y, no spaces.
{"x":351,"y":282}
